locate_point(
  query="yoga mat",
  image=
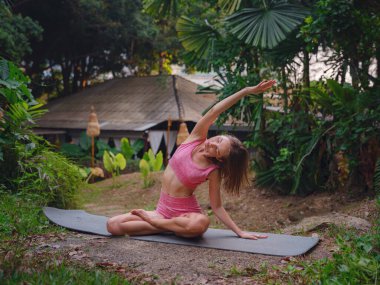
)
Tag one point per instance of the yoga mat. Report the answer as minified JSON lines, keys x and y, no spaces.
{"x":275,"y":244}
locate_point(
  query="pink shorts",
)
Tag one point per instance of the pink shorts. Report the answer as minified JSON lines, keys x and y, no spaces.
{"x":169,"y":206}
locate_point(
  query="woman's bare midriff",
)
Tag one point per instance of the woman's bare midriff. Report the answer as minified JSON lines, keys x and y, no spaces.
{"x":172,"y":186}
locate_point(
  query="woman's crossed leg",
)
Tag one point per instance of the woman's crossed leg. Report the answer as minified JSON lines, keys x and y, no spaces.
{"x":141,"y":222}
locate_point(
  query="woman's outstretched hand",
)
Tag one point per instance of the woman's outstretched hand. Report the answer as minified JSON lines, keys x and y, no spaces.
{"x":261,"y":87}
{"x":251,"y":236}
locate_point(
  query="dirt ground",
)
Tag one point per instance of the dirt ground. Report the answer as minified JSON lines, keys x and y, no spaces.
{"x":155,"y":263}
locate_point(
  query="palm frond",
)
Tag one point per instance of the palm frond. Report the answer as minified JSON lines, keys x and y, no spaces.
{"x":308,"y":150}
{"x":197,"y":37}
{"x":229,"y":6}
{"x":162,"y":8}
{"x":266,"y":27}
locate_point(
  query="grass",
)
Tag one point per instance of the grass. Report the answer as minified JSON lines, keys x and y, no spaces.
{"x":21,"y":219}
{"x":22,"y":215}
{"x":64,"y":274}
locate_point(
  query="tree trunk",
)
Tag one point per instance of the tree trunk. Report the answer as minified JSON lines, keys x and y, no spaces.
{"x":66,"y":66}
{"x":83,"y":78}
{"x":76,"y":79}
{"x":343,"y":72}
{"x":306,"y":69}
{"x":354,"y":67}
{"x":284,"y":88}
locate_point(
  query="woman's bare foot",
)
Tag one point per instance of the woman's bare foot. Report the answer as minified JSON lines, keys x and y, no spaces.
{"x":142,"y":214}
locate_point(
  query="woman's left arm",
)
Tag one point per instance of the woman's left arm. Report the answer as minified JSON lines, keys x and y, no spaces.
{"x":220,"y":212}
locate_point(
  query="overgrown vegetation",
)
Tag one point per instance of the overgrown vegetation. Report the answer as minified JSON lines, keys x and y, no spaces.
{"x":33,"y":176}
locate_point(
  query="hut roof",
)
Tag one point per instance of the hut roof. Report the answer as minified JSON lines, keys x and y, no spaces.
{"x":132,"y":103}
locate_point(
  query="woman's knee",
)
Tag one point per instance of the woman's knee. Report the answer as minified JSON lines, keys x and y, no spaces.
{"x":113,"y":227}
{"x":199,"y":225}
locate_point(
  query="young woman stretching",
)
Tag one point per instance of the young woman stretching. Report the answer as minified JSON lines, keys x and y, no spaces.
{"x":217,"y":159}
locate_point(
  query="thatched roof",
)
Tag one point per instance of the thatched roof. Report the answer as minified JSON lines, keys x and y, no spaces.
{"x":129,"y":104}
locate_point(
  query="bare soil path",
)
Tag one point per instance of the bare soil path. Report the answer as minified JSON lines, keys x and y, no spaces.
{"x":156,"y":263}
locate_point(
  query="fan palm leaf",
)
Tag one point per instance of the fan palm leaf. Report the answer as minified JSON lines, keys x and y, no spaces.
{"x":162,"y":8}
{"x":196,"y":37}
{"x":266,"y":26}
{"x":229,"y":6}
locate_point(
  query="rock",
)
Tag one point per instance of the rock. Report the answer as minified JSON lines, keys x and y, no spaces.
{"x":315,"y":235}
{"x":294,"y":216}
{"x":311,"y":223}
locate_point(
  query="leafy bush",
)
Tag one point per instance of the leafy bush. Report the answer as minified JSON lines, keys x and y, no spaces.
{"x":334,"y":145}
{"x":18,"y":111}
{"x":50,"y":175}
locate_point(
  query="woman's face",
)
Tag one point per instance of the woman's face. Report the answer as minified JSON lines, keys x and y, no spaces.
{"x":218,"y":147}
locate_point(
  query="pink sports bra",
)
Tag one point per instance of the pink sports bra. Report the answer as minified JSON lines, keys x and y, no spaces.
{"x":184,"y":167}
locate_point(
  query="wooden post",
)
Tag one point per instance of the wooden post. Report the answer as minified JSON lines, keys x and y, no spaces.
{"x":92,"y":152}
{"x":93,"y":130}
{"x":168,"y":141}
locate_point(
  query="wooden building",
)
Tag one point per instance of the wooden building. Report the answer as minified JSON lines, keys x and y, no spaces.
{"x":132,"y":107}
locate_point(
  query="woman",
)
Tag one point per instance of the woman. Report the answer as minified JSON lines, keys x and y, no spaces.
{"x":220,"y":158}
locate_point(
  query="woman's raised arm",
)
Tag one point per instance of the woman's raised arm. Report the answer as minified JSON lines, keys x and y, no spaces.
{"x":201,"y":128}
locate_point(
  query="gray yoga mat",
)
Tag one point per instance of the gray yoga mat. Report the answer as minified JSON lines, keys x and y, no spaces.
{"x":275,"y":244}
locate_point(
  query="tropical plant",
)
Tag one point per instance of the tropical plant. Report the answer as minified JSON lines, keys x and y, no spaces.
{"x":267,"y":24}
{"x":149,"y":163}
{"x":155,"y":161}
{"x":145,"y":170}
{"x":128,"y":150}
{"x":332,"y":146}
{"x":18,"y":112}
{"x":114,"y":163}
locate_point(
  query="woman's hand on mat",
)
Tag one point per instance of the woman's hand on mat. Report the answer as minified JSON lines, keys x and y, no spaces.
{"x":251,"y":236}
{"x":261,"y":87}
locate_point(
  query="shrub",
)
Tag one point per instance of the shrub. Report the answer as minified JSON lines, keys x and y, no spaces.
{"x":50,"y":175}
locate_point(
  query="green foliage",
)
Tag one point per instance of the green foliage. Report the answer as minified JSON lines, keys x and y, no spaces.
{"x":95,"y":37}
{"x":196,"y":36}
{"x":28,"y":166}
{"x":356,"y":262}
{"x":16,"y":34}
{"x":349,"y":29}
{"x":149,"y":163}
{"x":268,"y":25}
{"x":81,"y":152}
{"x":129,"y":150}
{"x":145,"y":170}
{"x":18,"y":107}
{"x":114,"y":163}
{"x":162,"y":8}
{"x":21,"y":215}
{"x":64,"y":274}
{"x":155,"y":161}
{"x":340,"y":119}
{"x":49,"y":175}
